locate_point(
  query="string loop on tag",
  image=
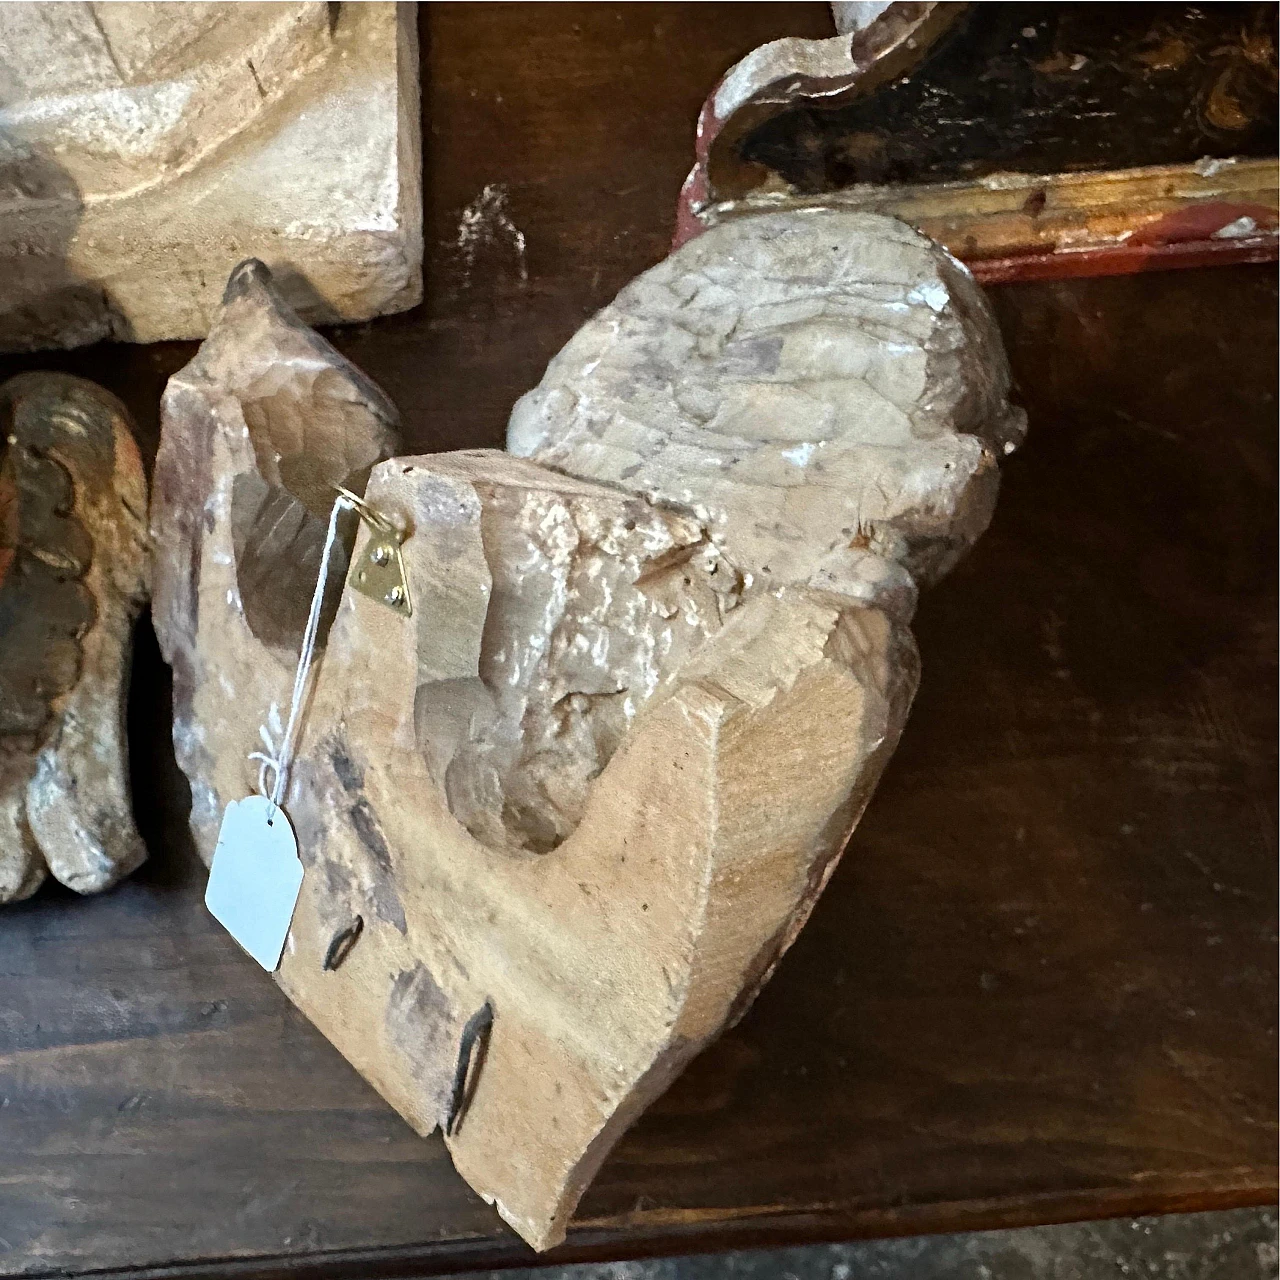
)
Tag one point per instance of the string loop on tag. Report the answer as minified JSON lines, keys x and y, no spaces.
{"x":277,"y":762}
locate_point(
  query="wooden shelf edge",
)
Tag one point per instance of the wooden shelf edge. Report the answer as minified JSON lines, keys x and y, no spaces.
{"x":668,"y":1232}
{"x":1009,"y":227}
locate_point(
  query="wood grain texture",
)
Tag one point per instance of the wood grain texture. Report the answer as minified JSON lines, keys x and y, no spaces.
{"x":1042,"y":983}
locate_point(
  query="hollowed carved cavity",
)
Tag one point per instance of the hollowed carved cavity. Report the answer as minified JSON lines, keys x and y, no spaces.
{"x":313,"y":422}
{"x":593,"y":601}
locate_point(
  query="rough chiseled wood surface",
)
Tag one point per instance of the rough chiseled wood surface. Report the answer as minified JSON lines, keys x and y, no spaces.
{"x":827,"y":389}
{"x":1041,"y":984}
{"x":677,"y":876}
{"x":259,"y":428}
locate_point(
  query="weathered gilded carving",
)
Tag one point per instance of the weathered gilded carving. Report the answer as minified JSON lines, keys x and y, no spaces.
{"x":74,"y":566}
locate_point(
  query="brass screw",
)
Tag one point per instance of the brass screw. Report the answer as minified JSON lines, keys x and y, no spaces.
{"x":380,"y":554}
{"x":395,"y":595}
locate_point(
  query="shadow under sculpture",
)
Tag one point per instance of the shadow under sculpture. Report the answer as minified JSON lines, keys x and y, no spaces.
{"x":561,"y":822}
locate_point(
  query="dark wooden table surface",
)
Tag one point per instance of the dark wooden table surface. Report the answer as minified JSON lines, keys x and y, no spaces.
{"x":1042,"y":983}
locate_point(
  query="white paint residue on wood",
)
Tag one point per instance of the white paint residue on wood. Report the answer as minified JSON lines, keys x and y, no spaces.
{"x":485,"y":221}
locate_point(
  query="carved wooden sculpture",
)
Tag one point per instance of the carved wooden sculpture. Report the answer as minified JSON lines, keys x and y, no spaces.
{"x":73,"y":575}
{"x":561,"y":819}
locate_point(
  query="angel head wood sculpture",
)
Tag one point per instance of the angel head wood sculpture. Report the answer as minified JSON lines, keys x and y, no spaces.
{"x":562,"y":812}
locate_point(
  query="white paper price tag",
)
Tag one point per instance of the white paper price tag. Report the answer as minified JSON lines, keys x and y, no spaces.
{"x":255,"y":878}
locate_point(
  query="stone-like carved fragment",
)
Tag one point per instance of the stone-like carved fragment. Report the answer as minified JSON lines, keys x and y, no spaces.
{"x":586,"y":795}
{"x":73,"y":574}
{"x":147,"y":148}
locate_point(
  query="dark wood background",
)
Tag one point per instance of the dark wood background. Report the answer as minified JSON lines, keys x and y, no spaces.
{"x":1032,"y":87}
{"x":1041,"y":985}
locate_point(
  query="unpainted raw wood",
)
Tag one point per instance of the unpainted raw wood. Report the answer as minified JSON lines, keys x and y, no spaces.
{"x":593,"y":785}
{"x":74,"y":565}
{"x":257,"y":430}
{"x":826,"y":388}
{"x":610,"y":960}
{"x":876,"y":1073}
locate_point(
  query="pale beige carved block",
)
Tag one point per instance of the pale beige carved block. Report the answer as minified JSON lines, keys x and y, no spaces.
{"x":609,"y":856}
{"x":145,"y":149}
{"x":561,"y":820}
